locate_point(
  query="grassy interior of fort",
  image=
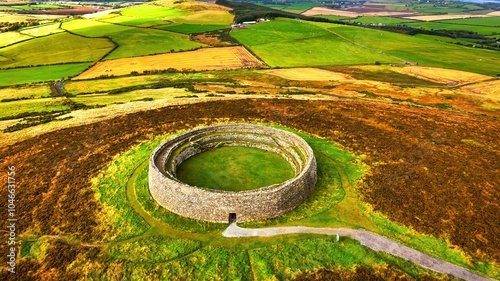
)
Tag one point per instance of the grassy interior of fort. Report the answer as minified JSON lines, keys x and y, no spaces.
{"x":235,"y":168}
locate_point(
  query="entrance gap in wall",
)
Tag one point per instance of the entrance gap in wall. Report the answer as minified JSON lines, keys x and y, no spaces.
{"x":232,"y":218}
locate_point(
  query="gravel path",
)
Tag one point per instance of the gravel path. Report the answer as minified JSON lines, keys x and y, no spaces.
{"x":367,"y":239}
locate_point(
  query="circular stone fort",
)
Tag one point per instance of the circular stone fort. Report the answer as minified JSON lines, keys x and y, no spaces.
{"x":218,"y":205}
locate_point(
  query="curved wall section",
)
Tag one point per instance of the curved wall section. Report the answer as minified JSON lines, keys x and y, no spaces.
{"x":216,"y":205}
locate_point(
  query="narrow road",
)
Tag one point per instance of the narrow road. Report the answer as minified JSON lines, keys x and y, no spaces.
{"x":58,"y":90}
{"x":368,"y":239}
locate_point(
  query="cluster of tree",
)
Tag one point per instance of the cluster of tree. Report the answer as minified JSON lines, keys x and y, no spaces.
{"x":12,"y":26}
{"x":250,"y":12}
{"x":484,"y":43}
{"x":222,"y":35}
{"x":404,"y":29}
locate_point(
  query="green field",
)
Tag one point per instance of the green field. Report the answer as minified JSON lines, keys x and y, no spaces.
{"x":32,"y":92}
{"x":13,"y":108}
{"x":333,"y":17}
{"x":42,"y":30}
{"x":452,"y":7}
{"x":422,"y":49}
{"x":54,"y":49}
{"x":377,"y":20}
{"x":435,"y":25}
{"x":235,"y":168}
{"x":486,"y":21}
{"x":132,"y":41}
{"x":293,"y":8}
{"x":37,"y":7}
{"x":287,"y":43}
{"x":9,"y":17}
{"x":40,"y":73}
{"x":139,"y":229}
{"x":11,"y":37}
{"x":193,"y":28}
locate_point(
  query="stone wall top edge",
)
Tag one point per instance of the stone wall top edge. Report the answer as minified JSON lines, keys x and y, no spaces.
{"x":229,"y":127}
{"x":180,"y":140}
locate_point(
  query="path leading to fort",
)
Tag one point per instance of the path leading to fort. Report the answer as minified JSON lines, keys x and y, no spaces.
{"x":368,"y":239}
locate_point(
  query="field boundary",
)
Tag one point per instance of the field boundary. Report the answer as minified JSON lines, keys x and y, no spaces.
{"x":358,"y":44}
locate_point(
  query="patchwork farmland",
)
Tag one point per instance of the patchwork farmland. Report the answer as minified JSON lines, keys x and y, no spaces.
{"x":402,"y":116}
{"x":132,"y":41}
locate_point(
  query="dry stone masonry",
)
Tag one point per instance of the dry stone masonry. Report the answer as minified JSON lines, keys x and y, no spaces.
{"x":217,"y":205}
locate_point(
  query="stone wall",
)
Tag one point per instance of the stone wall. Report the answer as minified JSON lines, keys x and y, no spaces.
{"x":216,"y":205}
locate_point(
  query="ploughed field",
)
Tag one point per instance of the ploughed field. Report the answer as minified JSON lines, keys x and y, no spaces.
{"x":434,"y":171}
{"x":235,"y":168}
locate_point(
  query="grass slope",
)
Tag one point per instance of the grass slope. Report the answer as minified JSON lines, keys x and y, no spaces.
{"x":55,"y":49}
{"x":287,"y":43}
{"x":132,"y":41}
{"x":376,"y":20}
{"x":35,"y":105}
{"x":134,"y":21}
{"x":25,"y":92}
{"x":486,"y":21}
{"x":41,"y":73}
{"x":422,"y":49}
{"x":446,"y":25}
{"x":11,"y":37}
{"x":43,"y":30}
{"x":293,"y":8}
